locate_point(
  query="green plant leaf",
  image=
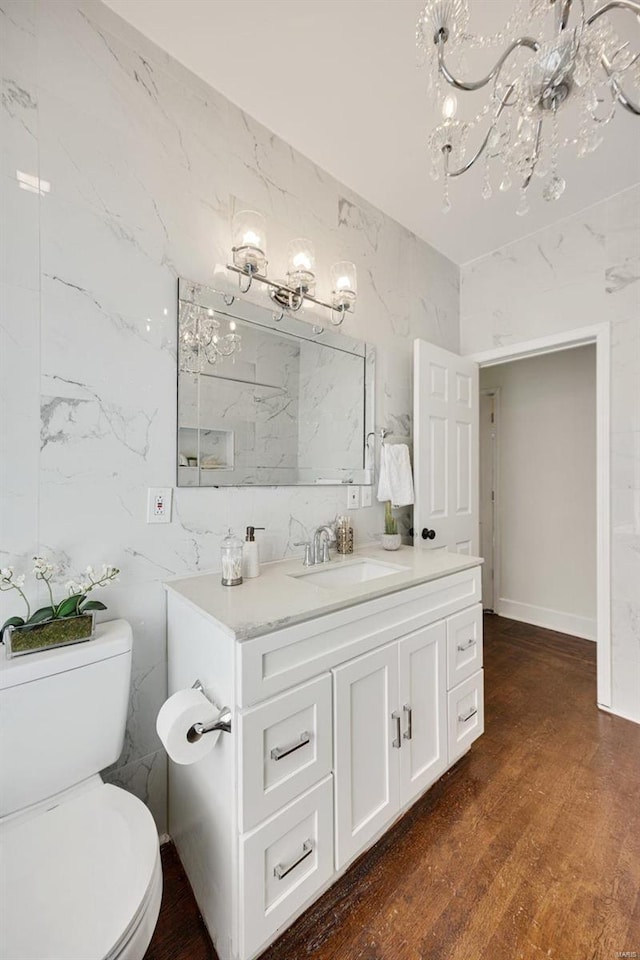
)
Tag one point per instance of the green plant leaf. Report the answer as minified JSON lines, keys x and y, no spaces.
{"x":44,"y":613}
{"x":69,"y":607}
{"x":92,"y":605}
{"x":12,"y":622}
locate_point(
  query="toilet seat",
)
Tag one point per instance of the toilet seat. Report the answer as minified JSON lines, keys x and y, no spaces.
{"x":80,"y":881}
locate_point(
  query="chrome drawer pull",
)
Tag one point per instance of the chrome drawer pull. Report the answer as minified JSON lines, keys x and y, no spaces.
{"x":398,"y":740}
{"x":408,"y":734}
{"x":464,"y":717}
{"x":465,"y":646}
{"x":281,"y":872}
{"x":279,"y":752}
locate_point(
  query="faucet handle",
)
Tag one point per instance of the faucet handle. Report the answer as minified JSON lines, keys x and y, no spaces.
{"x":307,"y":562}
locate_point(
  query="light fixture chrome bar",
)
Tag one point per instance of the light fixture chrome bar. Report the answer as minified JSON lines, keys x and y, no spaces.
{"x":528,"y":42}
{"x":288,"y":297}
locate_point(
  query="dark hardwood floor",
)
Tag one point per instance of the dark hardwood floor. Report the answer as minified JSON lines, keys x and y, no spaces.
{"x":528,"y":849}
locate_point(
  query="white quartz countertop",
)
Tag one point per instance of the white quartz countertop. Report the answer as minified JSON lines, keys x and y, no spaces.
{"x":279,"y":597}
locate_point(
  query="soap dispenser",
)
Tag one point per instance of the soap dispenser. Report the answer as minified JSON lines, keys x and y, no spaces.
{"x":250,"y":557}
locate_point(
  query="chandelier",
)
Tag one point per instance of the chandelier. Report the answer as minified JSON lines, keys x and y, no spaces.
{"x":201,"y":341}
{"x":554,"y":53}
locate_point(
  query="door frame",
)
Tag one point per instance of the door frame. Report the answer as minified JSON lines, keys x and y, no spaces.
{"x":495,"y":527}
{"x":600,"y":335}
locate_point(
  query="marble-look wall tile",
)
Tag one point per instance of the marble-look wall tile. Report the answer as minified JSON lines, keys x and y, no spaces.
{"x":145,"y":165}
{"x":583,"y":271}
{"x":147,"y":778}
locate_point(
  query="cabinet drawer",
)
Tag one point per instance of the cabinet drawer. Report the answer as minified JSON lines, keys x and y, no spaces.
{"x":285,"y":747}
{"x":464,"y":645}
{"x":466,"y":714}
{"x":282,"y":864}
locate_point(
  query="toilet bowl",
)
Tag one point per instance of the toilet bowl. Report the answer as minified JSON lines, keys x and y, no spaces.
{"x":80,"y":871}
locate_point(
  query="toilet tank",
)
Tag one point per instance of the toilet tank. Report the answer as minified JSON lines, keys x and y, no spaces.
{"x":62,"y":715}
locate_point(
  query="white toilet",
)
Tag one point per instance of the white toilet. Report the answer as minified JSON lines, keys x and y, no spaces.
{"x":80,"y":871}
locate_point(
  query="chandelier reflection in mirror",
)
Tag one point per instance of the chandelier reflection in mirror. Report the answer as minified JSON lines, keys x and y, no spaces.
{"x":299,"y":287}
{"x":202,"y":340}
{"x":554,"y":54}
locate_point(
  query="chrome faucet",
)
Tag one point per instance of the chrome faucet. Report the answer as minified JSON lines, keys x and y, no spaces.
{"x":317,"y":549}
{"x":322,"y":545}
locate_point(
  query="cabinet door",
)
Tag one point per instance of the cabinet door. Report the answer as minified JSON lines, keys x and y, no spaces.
{"x":367,"y":740}
{"x":423,"y":757}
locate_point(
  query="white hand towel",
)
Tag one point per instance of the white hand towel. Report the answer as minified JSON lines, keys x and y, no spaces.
{"x":396,"y":479}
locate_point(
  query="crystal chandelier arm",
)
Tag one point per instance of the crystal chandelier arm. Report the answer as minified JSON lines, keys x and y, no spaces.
{"x":621,"y":96}
{"x":535,"y":156}
{"x":446,"y":150}
{"x":614,"y":5}
{"x":563,"y":18}
{"x":478,"y":84}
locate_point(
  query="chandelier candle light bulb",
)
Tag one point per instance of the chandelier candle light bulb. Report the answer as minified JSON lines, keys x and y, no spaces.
{"x":449,"y":107}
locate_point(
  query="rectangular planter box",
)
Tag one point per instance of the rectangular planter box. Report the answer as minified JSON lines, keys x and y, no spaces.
{"x":48,"y":635}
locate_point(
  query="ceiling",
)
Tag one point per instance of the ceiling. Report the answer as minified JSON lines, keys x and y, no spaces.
{"x":338,"y":80}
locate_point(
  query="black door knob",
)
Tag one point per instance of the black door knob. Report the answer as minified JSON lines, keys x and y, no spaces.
{"x":428,"y":534}
{"x":410,"y":531}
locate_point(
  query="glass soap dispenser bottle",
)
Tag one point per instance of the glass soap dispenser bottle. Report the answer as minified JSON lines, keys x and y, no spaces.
{"x":231,"y":553}
{"x":250,"y":556}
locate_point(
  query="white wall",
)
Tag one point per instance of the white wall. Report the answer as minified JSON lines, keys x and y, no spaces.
{"x":145,"y":164}
{"x":582,"y":271}
{"x":547,"y":489}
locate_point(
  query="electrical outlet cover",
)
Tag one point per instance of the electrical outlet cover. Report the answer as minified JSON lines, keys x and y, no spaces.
{"x":353,"y":498}
{"x":159,"y":505}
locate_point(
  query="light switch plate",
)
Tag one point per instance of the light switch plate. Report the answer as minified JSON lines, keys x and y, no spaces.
{"x":365,"y":496}
{"x":159,"y":505}
{"x":353,"y":498}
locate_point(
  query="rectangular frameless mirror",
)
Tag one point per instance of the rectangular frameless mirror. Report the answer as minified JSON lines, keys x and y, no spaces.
{"x":267,"y":399}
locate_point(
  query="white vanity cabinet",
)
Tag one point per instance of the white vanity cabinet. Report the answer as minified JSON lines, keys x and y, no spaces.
{"x":339,"y":722}
{"x":390,"y":733}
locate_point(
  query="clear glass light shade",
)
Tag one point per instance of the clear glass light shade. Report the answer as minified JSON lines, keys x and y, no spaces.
{"x":249,"y":241}
{"x":344,"y":284}
{"x":301,"y":266}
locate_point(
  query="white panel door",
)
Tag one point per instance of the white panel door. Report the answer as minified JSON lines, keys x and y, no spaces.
{"x":445,"y":450}
{"x":367,"y":740}
{"x":422,"y":662}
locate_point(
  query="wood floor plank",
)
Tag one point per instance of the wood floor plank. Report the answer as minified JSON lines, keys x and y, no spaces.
{"x":528,"y":849}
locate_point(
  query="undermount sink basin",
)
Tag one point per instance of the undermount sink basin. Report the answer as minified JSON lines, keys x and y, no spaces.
{"x":350,"y":573}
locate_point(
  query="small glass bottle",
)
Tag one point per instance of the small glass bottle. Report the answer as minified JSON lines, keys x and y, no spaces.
{"x":344,"y":535}
{"x":231,"y":553}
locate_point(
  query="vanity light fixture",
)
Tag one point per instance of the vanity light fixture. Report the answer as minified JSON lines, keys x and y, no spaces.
{"x":250,"y":263}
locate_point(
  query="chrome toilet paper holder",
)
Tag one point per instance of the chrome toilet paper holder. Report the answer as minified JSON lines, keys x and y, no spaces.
{"x":221,"y":723}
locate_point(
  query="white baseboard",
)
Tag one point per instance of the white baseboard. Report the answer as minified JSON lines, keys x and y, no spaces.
{"x":616,"y":713}
{"x":584,"y":627}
